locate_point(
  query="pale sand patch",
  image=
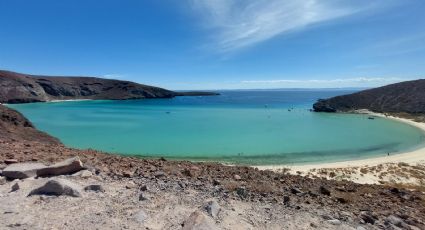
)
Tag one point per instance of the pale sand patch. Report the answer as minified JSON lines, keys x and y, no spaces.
{"x":53,"y":101}
{"x":412,"y":157}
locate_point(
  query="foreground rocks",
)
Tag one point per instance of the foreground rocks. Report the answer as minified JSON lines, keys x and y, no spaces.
{"x":26,"y":170}
{"x":58,"y":187}
{"x":198,"y":221}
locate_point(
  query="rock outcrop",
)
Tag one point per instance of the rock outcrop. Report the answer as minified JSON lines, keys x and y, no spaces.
{"x":58,"y":187}
{"x":26,"y":170}
{"x":14,"y":126}
{"x":404,"y":97}
{"x":23,"y":88}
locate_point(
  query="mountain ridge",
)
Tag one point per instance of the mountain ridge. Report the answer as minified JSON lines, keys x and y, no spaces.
{"x":24,"y":88}
{"x":403,"y":97}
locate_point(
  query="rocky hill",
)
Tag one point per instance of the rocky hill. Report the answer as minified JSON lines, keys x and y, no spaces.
{"x":23,"y":88}
{"x":404,"y":97}
{"x":14,"y":126}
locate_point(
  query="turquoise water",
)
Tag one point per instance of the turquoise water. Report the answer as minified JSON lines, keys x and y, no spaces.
{"x":242,"y":127}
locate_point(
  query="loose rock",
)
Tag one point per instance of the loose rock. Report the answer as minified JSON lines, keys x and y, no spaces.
{"x":212,"y":208}
{"x":95,"y":188}
{"x":395,"y":220}
{"x":15,"y":187}
{"x":58,"y":187}
{"x":198,"y":221}
{"x":68,"y":166}
{"x":325,"y":191}
{"x":22,"y":170}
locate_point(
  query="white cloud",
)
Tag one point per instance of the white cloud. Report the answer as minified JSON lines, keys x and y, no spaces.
{"x":322,"y":83}
{"x":349,"y":80}
{"x":241,"y":23}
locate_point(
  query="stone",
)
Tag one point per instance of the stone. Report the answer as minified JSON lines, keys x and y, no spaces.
{"x":130,"y":185}
{"x":198,"y":221}
{"x":58,"y":187}
{"x":212,"y":208}
{"x":67,"y":166}
{"x":94,"y":187}
{"x":334,"y":222}
{"x":367,"y":217}
{"x":360,"y":228}
{"x":128,"y":174}
{"x":237,"y":177}
{"x":141,"y":216}
{"x":395,"y":220}
{"x":286,"y":200}
{"x":26,"y":170}
{"x":142,"y":197}
{"x":216,"y":182}
{"x":10,"y":161}
{"x":22,"y":170}
{"x":325,"y":191}
{"x":15,"y":187}
{"x":84,"y":174}
{"x":144,"y":188}
{"x":2,"y":180}
{"x":242,"y":192}
{"x":159,"y":174}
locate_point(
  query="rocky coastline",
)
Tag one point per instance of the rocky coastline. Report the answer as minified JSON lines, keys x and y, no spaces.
{"x":25,"y":88}
{"x":45,"y":185}
{"x":116,"y":192}
{"x":405,"y":99}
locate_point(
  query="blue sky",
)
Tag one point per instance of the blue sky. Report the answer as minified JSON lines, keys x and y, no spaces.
{"x":221,"y":44}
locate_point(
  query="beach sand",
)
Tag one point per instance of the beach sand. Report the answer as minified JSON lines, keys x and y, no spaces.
{"x":359,"y":170}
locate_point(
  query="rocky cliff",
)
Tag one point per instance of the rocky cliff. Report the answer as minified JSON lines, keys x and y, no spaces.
{"x":22,"y":88}
{"x":15,"y":127}
{"x":404,"y":97}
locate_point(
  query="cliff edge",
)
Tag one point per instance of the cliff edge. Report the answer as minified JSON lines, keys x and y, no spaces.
{"x":404,"y":97}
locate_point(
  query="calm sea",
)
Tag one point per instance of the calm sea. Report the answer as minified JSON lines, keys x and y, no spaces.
{"x":256,"y":127}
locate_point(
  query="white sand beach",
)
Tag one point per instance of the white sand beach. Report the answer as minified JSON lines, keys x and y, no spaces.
{"x":413,"y":157}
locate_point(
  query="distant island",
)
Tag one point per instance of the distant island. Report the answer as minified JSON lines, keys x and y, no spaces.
{"x":405,"y":97}
{"x":24,"y":88}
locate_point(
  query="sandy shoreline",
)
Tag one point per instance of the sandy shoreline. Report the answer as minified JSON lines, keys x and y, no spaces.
{"x":414,"y":156}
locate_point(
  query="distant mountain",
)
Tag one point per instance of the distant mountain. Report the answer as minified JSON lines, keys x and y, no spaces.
{"x":23,"y":88}
{"x":403,"y":97}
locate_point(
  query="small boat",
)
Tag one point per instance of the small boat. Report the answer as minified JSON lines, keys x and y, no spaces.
{"x":371,"y":118}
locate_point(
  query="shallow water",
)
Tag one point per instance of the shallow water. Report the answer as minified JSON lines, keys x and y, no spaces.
{"x":246,"y":127}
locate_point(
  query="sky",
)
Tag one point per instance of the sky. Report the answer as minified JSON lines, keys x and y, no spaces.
{"x":218,"y":44}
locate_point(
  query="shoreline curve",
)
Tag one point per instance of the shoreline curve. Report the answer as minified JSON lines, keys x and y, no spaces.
{"x":411,"y":156}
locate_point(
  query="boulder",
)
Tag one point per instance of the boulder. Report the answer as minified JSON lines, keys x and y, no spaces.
{"x":212,"y":208}
{"x":22,"y":170}
{"x":26,"y":170}
{"x":198,"y":221}
{"x":58,"y":187}
{"x":68,"y":166}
